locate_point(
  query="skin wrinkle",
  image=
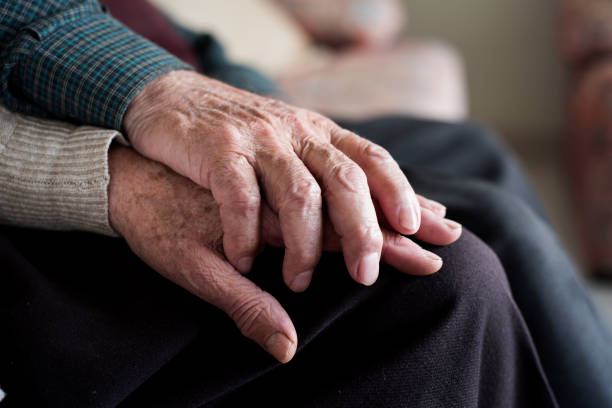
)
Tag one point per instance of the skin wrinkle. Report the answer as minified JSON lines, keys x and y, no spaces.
{"x":346,"y":173}
{"x":249,"y":312}
{"x":328,"y":157}
{"x":298,"y":179}
{"x":242,"y":199}
{"x":305,"y":193}
{"x":201,"y":275}
{"x":375,"y":152}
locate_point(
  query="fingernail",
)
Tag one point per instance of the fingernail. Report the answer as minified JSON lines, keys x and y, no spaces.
{"x":244,"y":264}
{"x":452,"y":224}
{"x":300,"y":282}
{"x":280,"y":347}
{"x":432,"y":256}
{"x":368,"y":269}
{"x":437,"y":208}
{"x":436,"y":260}
{"x":409,"y":219}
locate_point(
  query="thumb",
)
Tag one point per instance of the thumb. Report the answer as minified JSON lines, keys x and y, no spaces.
{"x":258,"y":315}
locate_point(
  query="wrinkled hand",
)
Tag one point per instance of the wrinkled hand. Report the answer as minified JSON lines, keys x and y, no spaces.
{"x":237,"y":144}
{"x":174,"y":226}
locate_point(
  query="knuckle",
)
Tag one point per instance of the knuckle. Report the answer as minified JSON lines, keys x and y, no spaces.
{"x":315,"y":148}
{"x":342,"y":136}
{"x":305,"y":193}
{"x":231,"y":163}
{"x":229,"y":134}
{"x":349,"y":174}
{"x":248,"y":312}
{"x":375,"y":152}
{"x":306,"y":146}
{"x":294,"y":122}
{"x":369,"y":237}
{"x":265,"y":125}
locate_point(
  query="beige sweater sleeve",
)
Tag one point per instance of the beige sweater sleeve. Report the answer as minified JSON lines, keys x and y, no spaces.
{"x":54,"y":175}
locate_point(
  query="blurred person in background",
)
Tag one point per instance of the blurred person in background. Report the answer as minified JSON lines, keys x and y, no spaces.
{"x":585,"y":41}
{"x":204,"y":176}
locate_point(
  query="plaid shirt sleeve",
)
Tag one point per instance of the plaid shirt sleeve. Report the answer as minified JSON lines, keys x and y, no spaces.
{"x":69,"y":59}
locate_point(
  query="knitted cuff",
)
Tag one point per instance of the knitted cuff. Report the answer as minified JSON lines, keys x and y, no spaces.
{"x":54,"y":175}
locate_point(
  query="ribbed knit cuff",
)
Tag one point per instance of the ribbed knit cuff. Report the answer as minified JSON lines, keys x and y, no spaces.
{"x":54,"y":175}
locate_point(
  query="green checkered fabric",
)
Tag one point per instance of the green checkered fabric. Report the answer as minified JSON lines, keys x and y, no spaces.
{"x":71,"y":60}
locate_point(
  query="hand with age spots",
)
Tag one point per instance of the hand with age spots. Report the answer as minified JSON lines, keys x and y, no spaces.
{"x":252,"y":151}
{"x":175,"y":226}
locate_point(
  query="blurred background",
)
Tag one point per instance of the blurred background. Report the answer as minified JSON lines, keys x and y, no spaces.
{"x":497,"y":62}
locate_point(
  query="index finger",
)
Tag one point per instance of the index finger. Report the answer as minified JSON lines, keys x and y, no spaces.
{"x":349,"y":205}
{"x":387,"y":182}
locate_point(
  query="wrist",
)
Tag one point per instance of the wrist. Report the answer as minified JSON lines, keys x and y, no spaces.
{"x":157,"y":97}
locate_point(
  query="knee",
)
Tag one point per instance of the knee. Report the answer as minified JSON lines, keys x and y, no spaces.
{"x":472,"y":276}
{"x":470,"y":290}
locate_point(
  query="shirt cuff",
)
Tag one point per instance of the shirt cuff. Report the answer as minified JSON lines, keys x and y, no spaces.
{"x":54,"y":175}
{"x":85,"y":66}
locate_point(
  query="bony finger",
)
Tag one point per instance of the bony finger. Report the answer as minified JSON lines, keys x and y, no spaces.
{"x":296,"y":196}
{"x":436,"y":207}
{"x":437,"y":231}
{"x":235,"y":188}
{"x":349,"y":205}
{"x":386,"y":180}
{"x":406,"y":256}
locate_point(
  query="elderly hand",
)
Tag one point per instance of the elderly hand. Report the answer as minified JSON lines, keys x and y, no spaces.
{"x":237,"y":144}
{"x":174,"y":226}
